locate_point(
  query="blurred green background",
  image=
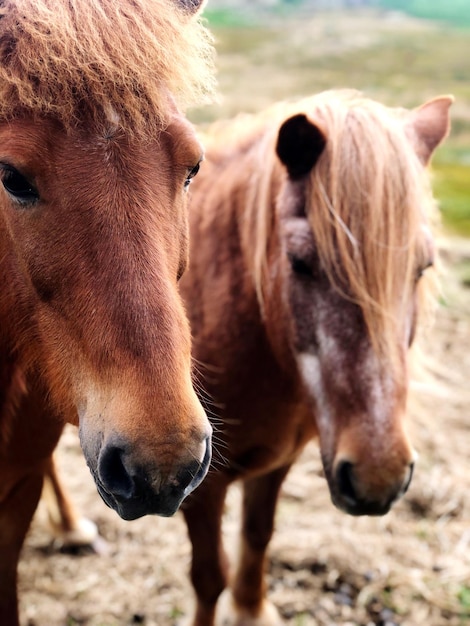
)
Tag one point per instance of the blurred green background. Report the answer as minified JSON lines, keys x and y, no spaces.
{"x":401,"y":52}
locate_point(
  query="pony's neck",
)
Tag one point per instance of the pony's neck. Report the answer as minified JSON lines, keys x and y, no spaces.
{"x":260,"y":245}
{"x":257,"y":212}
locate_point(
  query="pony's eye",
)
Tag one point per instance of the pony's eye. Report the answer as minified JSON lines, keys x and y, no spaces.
{"x":191,"y":174}
{"x":422,"y":270}
{"x":17,"y":186}
{"x":299,"y":266}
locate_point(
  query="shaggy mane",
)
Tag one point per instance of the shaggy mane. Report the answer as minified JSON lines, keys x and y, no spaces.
{"x":84,"y":60}
{"x":368,"y":201}
{"x":369,"y":206}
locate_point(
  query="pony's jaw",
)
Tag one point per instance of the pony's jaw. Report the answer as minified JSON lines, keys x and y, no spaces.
{"x":367,"y":458}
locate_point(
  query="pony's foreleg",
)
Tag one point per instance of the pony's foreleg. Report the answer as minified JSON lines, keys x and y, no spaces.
{"x":69,"y":528}
{"x":246,"y":603}
{"x":209,"y":567}
{"x":19,"y":499}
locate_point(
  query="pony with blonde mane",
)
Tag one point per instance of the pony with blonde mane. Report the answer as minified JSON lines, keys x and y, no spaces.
{"x":311,"y":254}
{"x":95,"y":161}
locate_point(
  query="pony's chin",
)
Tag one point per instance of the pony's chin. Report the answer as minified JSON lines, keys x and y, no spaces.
{"x":372,"y":509}
{"x":164,"y":505}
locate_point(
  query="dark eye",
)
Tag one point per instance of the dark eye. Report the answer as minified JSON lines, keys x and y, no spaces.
{"x":299,"y":266}
{"x":191,"y":174}
{"x":17,"y":186}
{"x":421,"y":271}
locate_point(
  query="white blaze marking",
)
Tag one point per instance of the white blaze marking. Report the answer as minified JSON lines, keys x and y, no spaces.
{"x":310,"y":369}
{"x":377,"y":388}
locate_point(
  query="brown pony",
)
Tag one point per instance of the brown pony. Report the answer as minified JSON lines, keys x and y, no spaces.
{"x":309,"y":237}
{"x":95,"y":158}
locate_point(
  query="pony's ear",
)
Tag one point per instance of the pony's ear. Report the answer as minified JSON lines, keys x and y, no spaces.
{"x":431,"y":125}
{"x":190,"y":6}
{"x":299,"y":144}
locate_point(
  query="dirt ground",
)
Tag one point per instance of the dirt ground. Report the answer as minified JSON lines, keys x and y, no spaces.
{"x":411,"y":567}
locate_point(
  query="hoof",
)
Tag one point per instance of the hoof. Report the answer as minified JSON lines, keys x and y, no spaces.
{"x":84,"y":537}
{"x":230,"y":614}
{"x":84,"y":534}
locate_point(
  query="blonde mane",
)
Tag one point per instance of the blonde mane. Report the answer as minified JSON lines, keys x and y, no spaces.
{"x":78,"y":61}
{"x":368,"y":201}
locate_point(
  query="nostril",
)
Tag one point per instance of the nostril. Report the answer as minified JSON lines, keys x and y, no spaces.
{"x":345,"y":482}
{"x":408,"y":479}
{"x":186,"y":476}
{"x":113,"y":474}
{"x":192,"y":475}
{"x":206,"y":459}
